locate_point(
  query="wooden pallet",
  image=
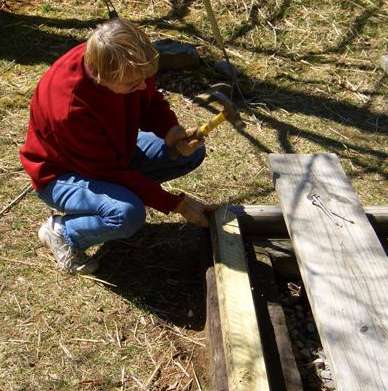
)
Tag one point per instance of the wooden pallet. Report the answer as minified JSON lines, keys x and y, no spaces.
{"x":236,"y":335}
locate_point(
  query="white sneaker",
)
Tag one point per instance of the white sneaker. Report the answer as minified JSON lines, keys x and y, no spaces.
{"x":68,"y":258}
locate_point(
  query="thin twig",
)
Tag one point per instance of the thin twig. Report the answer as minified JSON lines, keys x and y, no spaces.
{"x":15,"y":341}
{"x":21,"y":262}
{"x":184,"y":191}
{"x":25,"y":191}
{"x":148,"y":349}
{"x":117,"y":335}
{"x":196,"y":378}
{"x":138,"y":382}
{"x":11,"y":64}
{"x":189,"y":360}
{"x":17,"y":303}
{"x":88,"y":340}
{"x":108,"y":333}
{"x":97,"y":279}
{"x":179,"y":334}
{"x":187,"y":385}
{"x":38,"y":345}
{"x":180,"y":366}
{"x":66,"y":350}
{"x":135,"y":330}
{"x":122,"y":378}
{"x":338,"y":133}
{"x":154,"y":373}
{"x":160,"y":335}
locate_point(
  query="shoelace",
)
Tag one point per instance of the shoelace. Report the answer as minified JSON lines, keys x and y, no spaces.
{"x":72,"y":257}
{"x":66,"y":260}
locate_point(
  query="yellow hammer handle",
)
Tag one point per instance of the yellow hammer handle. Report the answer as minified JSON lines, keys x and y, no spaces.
{"x":204,"y":130}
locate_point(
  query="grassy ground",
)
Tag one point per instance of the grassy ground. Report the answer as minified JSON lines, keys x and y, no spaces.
{"x":308,"y":71}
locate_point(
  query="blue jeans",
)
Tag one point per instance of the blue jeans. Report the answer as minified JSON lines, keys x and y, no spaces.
{"x":98,"y":211}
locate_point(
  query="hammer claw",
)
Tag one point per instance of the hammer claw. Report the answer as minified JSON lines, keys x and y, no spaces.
{"x":229,"y":112}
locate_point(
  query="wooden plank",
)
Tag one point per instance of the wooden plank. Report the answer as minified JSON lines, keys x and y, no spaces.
{"x":240,"y":333}
{"x":281,"y":249}
{"x":281,"y":253}
{"x":283,"y":372}
{"x":275,"y":248}
{"x":218,"y":379}
{"x":218,"y":373}
{"x":378,"y":217}
{"x":263,"y":221}
{"x":266,"y":221}
{"x":292,"y":379}
{"x":343,"y":266}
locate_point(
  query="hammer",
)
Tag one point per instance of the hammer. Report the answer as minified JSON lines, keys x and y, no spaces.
{"x":229,"y":112}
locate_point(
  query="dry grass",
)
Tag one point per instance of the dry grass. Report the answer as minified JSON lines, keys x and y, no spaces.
{"x":308,"y":71}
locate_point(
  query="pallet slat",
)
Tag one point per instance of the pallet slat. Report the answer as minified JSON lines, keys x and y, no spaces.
{"x":267,"y":220}
{"x":343,"y":266}
{"x":218,"y":372}
{"x":283,"y":372}
{"x":240,"y":333}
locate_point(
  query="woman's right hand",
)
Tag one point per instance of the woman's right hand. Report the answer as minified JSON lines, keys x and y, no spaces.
{"x":194,"y":211}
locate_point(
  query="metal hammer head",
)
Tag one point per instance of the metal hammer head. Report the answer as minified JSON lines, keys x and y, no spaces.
{"x":219,"y":93}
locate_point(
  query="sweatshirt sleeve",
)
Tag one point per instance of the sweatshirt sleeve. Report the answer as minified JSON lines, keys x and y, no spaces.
{"x":84,"y":148}
{"x":156,"y":115}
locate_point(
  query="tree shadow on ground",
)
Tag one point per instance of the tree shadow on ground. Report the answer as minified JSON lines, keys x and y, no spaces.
{"x":355,"y":29}
{"x":293,"y":101}
{"x":160,"y":269}
{"x":23,"y":38}
{"x":273,"y":98}
{"x":254,"y":19}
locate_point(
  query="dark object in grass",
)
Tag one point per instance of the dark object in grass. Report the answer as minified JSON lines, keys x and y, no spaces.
{"x":175,"y":55}
{"x":225,"y":68}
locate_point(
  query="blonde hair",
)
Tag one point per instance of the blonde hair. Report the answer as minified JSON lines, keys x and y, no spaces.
{"x":117,"y":50}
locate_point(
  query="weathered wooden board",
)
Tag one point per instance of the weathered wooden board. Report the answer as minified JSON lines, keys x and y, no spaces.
{"x":217,"y":369}
{"x":240,"y":333}
{"x":343,"y":266}
{"x":292,"y":379}
{"x":266,"y":221}
{"x":281,"y":254}
{"x":283,"y":372}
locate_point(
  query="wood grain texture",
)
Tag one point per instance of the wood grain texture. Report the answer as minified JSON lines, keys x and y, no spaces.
{"x":343,"y":266}
{"x":242,"y":345}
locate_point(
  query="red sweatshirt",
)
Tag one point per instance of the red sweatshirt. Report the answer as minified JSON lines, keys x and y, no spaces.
{"x":79,"y":126}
